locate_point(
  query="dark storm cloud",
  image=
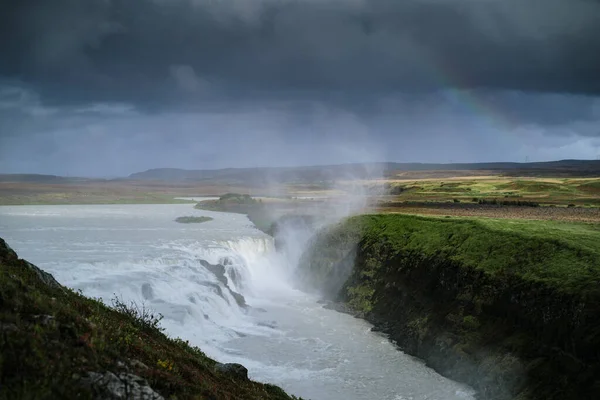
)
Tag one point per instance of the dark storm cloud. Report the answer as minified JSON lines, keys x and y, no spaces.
{"x":161,"y":51}
{"x":111,"y":87}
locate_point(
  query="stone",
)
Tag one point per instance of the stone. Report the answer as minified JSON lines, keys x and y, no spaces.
{"x":237,"y":371}
{"x":8,"y":327}
{"x":138,"y":364}
{"x":239,"y":299}
{"x":8,"y":257}
{"x":218,"y":270}
{"x":44,"y":319}
{"x":45,"y":277}
{"x":109,"y":386}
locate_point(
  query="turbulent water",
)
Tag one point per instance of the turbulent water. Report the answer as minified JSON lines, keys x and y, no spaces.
{"x":138,"y":252}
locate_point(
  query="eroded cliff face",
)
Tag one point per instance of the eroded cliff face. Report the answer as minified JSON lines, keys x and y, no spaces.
{"x":504,"y":334}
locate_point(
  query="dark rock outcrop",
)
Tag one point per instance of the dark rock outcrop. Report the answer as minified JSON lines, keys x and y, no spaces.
{"x":8,"y":257}
{"x":237,"y":371}
{"x":236,"y":278}
{"x":239,"y":299}
{"x":219,"y":271}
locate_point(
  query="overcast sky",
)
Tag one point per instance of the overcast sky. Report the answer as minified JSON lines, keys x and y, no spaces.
{"x":112,"y":87}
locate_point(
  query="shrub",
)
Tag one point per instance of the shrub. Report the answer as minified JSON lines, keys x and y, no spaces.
{"x":143,"y":317}
{"x":237,"y":198}
{"x":515,"y":203}
{"x":470,"y":322}
{"x":165,"y":364}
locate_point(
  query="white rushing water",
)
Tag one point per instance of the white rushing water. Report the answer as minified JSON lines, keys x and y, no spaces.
{"x":139,"y":253}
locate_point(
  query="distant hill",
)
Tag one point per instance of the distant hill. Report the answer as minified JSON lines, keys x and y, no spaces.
{"x":325,"y":173}
{"x":267,"y":175}
{"x":37,"y":178}
{"x":47,"y":179}
{"x":579,"y":165}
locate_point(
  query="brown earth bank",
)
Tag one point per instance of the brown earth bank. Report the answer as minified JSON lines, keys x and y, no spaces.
{"x":512,"y":313}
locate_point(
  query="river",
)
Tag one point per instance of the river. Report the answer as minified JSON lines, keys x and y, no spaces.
{"x":138,"y":253}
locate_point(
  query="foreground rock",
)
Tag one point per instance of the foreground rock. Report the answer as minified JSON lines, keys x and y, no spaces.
{"x":109,"y":386}
{"x":219,"y":271}
{"x":7,"y":255}
{"x":237,"y":371}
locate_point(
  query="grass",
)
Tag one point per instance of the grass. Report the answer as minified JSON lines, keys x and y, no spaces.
{"x":230,"y":202}
{"x":51,"y":337}
{"x":258,"y":213}
{"x":564,"y":199}
{"x":558,"y":191}
{"x":190,"y":219}
{"x":563,"y":255}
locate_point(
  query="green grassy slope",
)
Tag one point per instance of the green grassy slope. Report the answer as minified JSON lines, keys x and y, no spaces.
{"x":565,"y":256}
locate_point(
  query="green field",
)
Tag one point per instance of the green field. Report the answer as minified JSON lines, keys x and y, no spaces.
{"x":557,"y":191}
{"x":563,"y":255}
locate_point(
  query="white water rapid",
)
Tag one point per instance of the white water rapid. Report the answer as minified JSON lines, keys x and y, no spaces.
{"x":284,"y":337}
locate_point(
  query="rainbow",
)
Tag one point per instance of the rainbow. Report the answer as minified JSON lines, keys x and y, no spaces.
{"x":448,"y":76}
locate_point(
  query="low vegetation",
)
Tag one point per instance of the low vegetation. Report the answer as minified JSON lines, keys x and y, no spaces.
{"x":565,"y":256}
{"x":256,"y":211}
{"x":561,"y":199}
{"x":193,"y":219}
{"x":230,"y":202}
{"x":54,"y":342}
{"x":515,"y":203}
{"x":501,"y":190}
